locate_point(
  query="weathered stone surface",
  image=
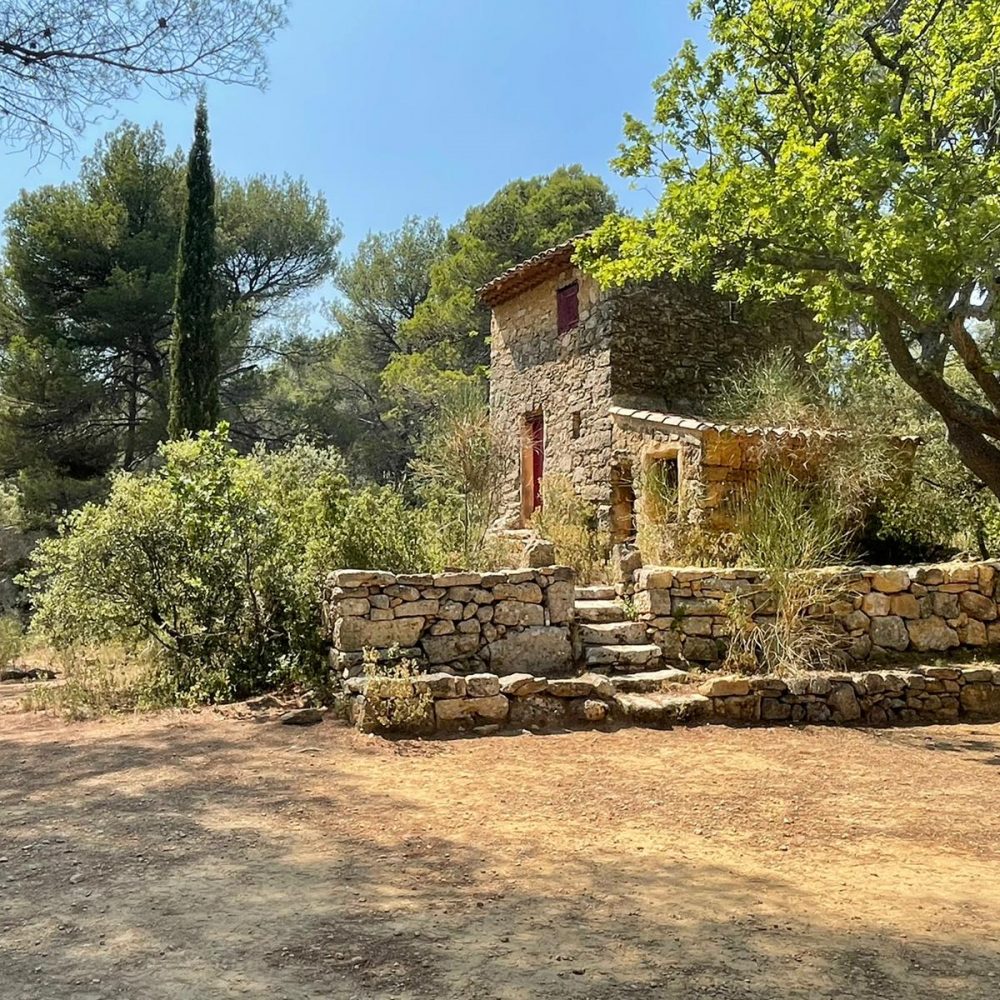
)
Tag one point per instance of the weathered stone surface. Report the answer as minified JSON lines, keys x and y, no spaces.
{"x":843,"y":701}
{"x":539,"y":552}
{"x":440,"y":685}
{"x":451,"y":709}
{"x":522,"y":685}
{"x":569,"y":687}
{"x":725,"y":687}
{"x":448,"y":648}
{"x":538,"y":711}
{"x":518,"y":613}
{"x":541,"y":651}
{"x":353,"y":606}
{"x":354,"y":634}
{"x":494,"y":708}
{"x":905,"y":606}
{"x":876,"y":605}
{"x":457,"y":580}
{"x":890,"y":581}
{"x":977,"y":606}
{"x":890,"y":632}
{"x":981,"y":699}
{"x":559,"y":598}
{"x":482,"y":685}
{"x":945,"y":605}
{"x":932,"y":633}
{"x":701,"y":650}
{"x":361,"y":578}
{"x":529,"y":593}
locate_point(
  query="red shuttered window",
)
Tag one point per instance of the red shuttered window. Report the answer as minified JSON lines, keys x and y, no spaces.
{"x":567,"y":307}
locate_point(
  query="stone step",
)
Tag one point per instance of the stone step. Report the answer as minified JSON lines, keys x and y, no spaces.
{"x":599,"y":611}
{"x":658,"y":709}
{"x":623,"y":657}
{"x":595,"y":593}
{"x":610,"y":633}
{"x":651,"y":681}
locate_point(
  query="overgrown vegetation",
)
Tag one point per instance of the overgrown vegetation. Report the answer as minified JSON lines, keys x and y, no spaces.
{"x":570,"y":523}
{"x":395,"y":701}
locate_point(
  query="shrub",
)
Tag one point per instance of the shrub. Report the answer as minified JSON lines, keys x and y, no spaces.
{"x":215,"y":560}
{"x":570,"y":523}
{"x":395,"y":701}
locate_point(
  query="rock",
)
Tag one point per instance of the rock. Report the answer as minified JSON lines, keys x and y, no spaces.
{"x":449,"y":648}
{"x":569,"y":687}
{"x":518,"y":613}
{"x":701,"y":650}
{"x":361,"y":578}
{"x":857,"y":621}
{"x":522,"y":685}
{"x":977,"y":606}
{"x":303,"y":717}
{"x":773,"y":710}
{"x":353,"y":606}
{"x":945,"y":605}
{"x":972,"y":633}
{"x":539,"y":552}
{"x":590,"y":710}
{"x":354,"y":634}
{"x":876,"y":605}
{"x":559,"y":598}
{"x":890,"y":632}
{"x":602,"y":686}
{"x":457,"y":579}
{"x":537,"y":711}
{"x":905,"y":606}
{"x":843,"y":701}
{"x":544,"y":651}
{"x":725,"y":687}
{"x":981,"y":699}
{"x":494,"y":709}
{"x":452,"y":709}
{"x":528,"y":593}
{"x":482,"y":685}
{"x":440,"y":685}
{"x":890,"y":581}
{"x":932,"y":633}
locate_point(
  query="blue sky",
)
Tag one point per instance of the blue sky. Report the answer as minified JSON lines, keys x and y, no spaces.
{"x":398,"y":107}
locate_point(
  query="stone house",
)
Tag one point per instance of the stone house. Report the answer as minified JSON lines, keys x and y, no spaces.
{"x":609,"y":387}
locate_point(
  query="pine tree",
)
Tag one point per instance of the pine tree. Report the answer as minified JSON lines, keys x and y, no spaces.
{"x":194,"y":351}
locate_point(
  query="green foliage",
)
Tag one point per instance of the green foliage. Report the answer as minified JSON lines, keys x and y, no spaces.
{"x":216,"y":560}
{"x":521,"y":219}
{"x":86,"y":308}
{"x":570,"y":523}
{"x":194,"y":349}
{"x":395,"y":701}
{"x":847,"y":154}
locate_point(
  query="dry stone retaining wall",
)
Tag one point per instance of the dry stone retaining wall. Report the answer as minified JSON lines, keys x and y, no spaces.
{"x":486,"y":703}
{"x":506,"y":622}
{"x":880,"y":613}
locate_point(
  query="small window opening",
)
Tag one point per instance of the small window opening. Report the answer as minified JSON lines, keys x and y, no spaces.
{"x":576,"y":424}
{"x":663,"y":487}
{"x":567,"y":307}
{"x":734,"y":311}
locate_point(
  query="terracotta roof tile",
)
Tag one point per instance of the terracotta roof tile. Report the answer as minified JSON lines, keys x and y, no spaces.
{"x":529,"y":272}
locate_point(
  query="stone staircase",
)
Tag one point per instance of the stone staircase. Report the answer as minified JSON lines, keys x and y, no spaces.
{"x":611,"y":643}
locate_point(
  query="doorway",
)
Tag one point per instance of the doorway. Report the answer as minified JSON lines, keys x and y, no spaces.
{"x":532,"y":464}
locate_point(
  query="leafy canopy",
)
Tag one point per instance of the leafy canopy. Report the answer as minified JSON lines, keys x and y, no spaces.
{"x":848,"y":153}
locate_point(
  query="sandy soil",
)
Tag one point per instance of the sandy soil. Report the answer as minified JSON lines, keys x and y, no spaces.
{"x":195,"y":856}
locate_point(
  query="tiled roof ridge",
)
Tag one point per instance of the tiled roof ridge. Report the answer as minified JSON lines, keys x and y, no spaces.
{"x":678,"y":422}
{"x":488,"y":292}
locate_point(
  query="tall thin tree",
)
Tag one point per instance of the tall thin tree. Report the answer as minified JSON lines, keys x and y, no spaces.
{"x":194,"y":351}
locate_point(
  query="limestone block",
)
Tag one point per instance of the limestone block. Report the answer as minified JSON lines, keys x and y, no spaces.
{"x":381,"y":614}
{"x":560,"y":600}
{"x":542,"y":650}
{"x":977,"y":606}
{"x":352,"y":606}
{"x":448,"y":648}
{"x":890,"y":581}
{"x":857,"y":620}
{"x":440,"y":685}
{"x":354,"y":634}
{"x":972,"y":633}
{"x":725,"y":687}
{"x":446,"y":580}
{"x":361,"y":578}
{"x":451,"y":610}
{"x":482,"y":685}
{"x":652,"y":578}
{"x":470,"y":626}
{"x":652,"y":602}
{"x":774,"y":710}
{"x":905,"y":606}
{"x":876,"y":605}
{"x":442,"y":628}
{"x":944,"y":605}
{"x":518,"y":613}
{"x":530,"y":593}
{"x":932,"y":633}
{"x":701,"y":650}
{"x":452,"y":709}
{"x":403,"y":591}
{"x":696,"y":626}
{"x":843,"y":702}
{"x":522,"y":685}
{"x":538,"y":710}
{"x":981,"y":699}
{"x":426,"y":608}
{"x":889,"y":632}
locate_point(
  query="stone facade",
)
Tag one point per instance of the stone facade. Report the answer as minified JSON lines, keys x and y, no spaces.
{"x":463,"y":622}
{"x":665,"y":345}
{"x":486,"y":703}
{"x":880,"y":613}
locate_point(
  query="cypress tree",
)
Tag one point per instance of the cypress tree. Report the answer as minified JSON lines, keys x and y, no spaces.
{"x":194,"y":350}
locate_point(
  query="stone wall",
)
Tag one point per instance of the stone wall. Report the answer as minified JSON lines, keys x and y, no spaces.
{"x":877,"y":613}
{"x":564,"y":376}
{"x":487,"y":703}
{"x":460,"y":622}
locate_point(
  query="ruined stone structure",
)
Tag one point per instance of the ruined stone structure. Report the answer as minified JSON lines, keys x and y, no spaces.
{"x":601,"y":385}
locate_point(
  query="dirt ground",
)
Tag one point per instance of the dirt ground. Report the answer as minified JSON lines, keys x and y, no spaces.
{"x":196,"y":856}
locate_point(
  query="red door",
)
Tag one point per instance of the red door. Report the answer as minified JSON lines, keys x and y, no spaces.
{"x":536,"y":444}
